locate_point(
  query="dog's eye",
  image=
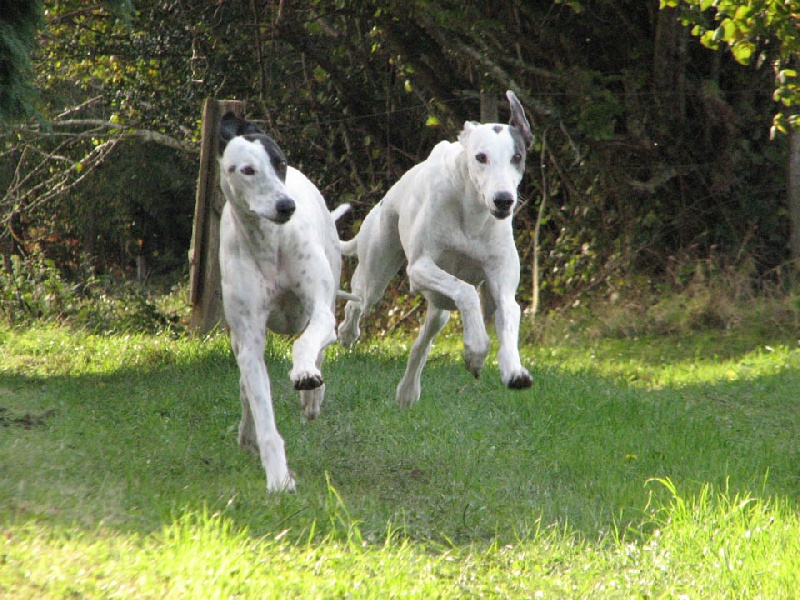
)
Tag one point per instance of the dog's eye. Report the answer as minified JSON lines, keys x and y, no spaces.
{"x":248,"y":170}
{"x":482,"y":158}
{"x":516,"y":159}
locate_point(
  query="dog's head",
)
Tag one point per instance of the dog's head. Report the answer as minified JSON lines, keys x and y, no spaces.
{"x":496,"y":158}
{"x":253,"y":170}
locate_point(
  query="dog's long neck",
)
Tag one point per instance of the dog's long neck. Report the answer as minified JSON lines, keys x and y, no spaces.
{"x":256,"y":233}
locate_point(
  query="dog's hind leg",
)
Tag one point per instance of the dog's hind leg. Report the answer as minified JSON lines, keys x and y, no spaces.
{"x":350,"y":328}
{"x":409,"y":388}
{"x":380,"y":256}
{"x":247,"y":425}
{"x":311,"y":400}
{"x":369,"y":286}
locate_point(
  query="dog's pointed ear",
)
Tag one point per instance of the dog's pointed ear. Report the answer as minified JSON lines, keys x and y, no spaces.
{"x":229,"y":127}
{"x":518,"y":118}
{"x":468,"y":127}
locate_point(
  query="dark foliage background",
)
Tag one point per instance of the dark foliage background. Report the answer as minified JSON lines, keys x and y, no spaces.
{"x":652,"y":151}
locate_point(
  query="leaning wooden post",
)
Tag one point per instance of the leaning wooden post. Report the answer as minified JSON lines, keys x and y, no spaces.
{"x":794,"y":199}
{"x":205,"y":287}
{"x":489,"y":111}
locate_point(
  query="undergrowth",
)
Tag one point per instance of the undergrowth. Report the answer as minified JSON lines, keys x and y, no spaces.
{"x":700,"y":297}
{"x":35,"y":291}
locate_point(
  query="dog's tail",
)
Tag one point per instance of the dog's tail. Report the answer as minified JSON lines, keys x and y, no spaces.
{"x":350,"y":247}
{"x":342,"y":295}
{"x":337,"y":212}
{"x":347,"y":248}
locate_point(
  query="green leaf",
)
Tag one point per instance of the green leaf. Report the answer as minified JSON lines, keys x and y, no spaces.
{"x":743,"y":51}
{"x":725,"y":32}
{"x":742,"y":13}
{"x":708,"y":39}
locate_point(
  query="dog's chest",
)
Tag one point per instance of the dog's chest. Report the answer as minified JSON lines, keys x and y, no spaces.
{"x":288,"y":314}
{"x":465,"y":263}
{"x":467,"y":257}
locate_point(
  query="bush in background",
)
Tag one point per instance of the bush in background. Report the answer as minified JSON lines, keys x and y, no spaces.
{"x":34,"y":290}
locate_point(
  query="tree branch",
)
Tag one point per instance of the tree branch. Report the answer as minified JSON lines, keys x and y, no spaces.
{"x":126,"y":132}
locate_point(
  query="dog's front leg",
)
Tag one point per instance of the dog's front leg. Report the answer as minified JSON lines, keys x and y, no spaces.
{"x":424,"y":275}
{"x":248,"y":347}
{"x":319,"y":333}
{"x":506,"y":319}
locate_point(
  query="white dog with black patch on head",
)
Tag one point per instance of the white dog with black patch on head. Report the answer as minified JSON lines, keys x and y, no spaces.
{"x":449,"y":218}
{"x":280,"y":261}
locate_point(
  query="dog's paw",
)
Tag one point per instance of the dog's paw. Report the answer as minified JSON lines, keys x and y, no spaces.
{"x":519,"y":381}
{"x":305,"y":378}
{"x":475,"y":356}
{"x":348,"y":335}
{"x":309,"y":382}
{"x":248,"y":444}
{"x":472,"y":368}
{"x":407,"y":393}
{"x":282,"y":484}
{"x":248,"y":441}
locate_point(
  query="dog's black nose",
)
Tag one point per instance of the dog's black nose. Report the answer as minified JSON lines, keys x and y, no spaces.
{"x":503,"y":201}
{"x":284,"y":208}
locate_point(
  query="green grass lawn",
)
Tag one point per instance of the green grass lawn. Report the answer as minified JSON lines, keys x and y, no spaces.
{"x":653,"y":467}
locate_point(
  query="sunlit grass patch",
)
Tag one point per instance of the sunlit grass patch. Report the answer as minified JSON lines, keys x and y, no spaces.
{"x":713,"y":544}
{"x":615,"y":475}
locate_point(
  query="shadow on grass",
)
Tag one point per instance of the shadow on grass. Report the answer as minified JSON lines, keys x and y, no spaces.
{"x":136,"y":447}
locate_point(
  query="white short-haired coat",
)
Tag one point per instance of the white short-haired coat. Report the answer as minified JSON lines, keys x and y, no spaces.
{"x":449,"y":220}
{"x":281,"y":262}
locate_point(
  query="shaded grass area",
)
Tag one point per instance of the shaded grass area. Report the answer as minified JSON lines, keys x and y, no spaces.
{"x":117,"y":452}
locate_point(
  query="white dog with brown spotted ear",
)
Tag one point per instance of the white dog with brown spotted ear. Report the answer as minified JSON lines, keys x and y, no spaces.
{"x":449,"y":220}
{"x":281,"y":262}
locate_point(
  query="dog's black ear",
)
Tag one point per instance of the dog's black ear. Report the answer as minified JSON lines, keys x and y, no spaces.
{"x":230,"y":126}
{"x":518,"y":118}
{"x":228,"y":129}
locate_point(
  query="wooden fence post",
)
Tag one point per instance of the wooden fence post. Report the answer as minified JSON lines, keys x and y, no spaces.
{"x":489,"y":112}
{"x":794,"y":198}
{"x":205,"y":287}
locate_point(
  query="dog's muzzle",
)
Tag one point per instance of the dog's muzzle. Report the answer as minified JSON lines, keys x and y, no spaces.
{"x":284,"y":209}
{"x":502,"y":205}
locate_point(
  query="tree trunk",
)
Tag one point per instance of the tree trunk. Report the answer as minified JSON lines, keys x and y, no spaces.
{"x":489,"y":113}
{"x":669,"y":65}
{"x":205,"y":283}
{"x":794,"y":198}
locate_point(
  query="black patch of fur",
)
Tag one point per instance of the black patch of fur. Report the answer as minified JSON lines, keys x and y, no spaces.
{"x":231,"y":126}
{"x":308,"y":383}
{"x":520,"y":382}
